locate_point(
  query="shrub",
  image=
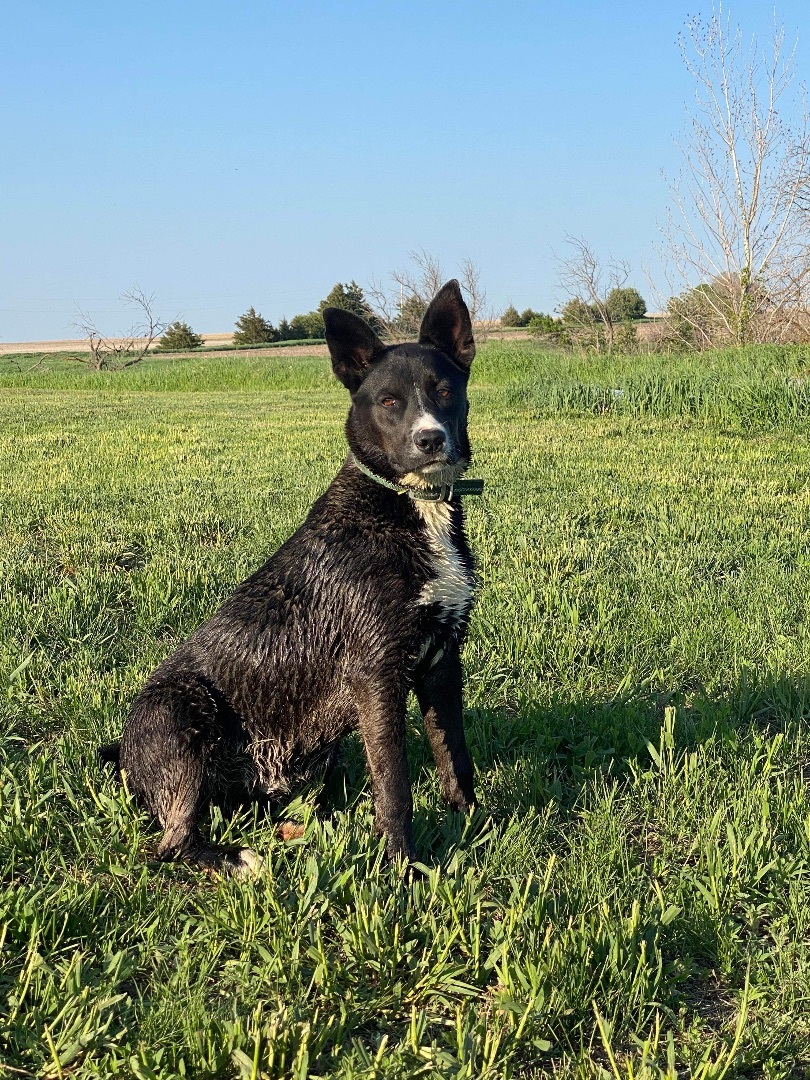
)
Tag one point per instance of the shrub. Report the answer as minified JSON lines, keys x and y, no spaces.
{"x":626,"y":339}
{"x":177,"y":337}
{"x":253,"y":329}
{"x":542,"y":325}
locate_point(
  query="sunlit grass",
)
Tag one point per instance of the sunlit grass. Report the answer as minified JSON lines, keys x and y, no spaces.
{"x":633,"y":893}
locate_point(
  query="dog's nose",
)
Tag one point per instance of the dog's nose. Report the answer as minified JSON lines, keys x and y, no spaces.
{"x":430,"y":440}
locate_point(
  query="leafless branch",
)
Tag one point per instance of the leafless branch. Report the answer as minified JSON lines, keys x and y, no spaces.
{"x":115,"y":354}
{"x":736,"y":235}
{"x":586,"y":282}
{"x":401,"y":304}
{"x":35,"y":365}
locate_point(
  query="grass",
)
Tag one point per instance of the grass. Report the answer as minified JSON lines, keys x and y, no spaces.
{"x":633,"y":897}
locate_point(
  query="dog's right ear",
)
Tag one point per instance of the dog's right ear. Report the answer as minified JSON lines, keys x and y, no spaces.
{"x":353,"y":345}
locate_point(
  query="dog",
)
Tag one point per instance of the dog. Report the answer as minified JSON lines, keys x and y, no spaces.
{"x":368,"y":600}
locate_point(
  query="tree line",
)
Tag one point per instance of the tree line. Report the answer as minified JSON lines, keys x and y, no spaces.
{"x":736,"y":242}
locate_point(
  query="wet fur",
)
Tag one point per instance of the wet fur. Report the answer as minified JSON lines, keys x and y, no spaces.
{"x":367,"y":601}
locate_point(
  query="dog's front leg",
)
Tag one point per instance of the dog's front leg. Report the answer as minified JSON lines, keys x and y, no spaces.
{"x":381,"y":713}
{"x":439,"y":693}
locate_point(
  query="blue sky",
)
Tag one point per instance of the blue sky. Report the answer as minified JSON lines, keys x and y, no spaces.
{"x":223,"y":155}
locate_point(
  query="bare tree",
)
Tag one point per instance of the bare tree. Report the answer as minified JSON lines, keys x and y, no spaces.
{"x":737,"y":237}
{"x":586,"y":283}
{"x":35,"y":365}
{"x":115,"y":354}
{"x":401,"y":304}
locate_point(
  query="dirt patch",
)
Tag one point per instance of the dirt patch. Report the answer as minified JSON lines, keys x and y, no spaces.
{"x":9,"y":348}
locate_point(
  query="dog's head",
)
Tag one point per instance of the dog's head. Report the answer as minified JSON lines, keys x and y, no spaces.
{"x":408,"y":416}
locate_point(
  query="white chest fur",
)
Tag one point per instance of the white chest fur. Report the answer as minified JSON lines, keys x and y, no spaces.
{"x":451,"y":586}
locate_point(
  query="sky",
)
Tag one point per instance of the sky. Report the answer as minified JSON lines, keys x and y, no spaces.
{"x":223,"y":155}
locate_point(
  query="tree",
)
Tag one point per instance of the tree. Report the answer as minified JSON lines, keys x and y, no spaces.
{"x":307,"y":326}
{"x":410,"y":312}
{"x":700,"y":317}
{"x":253,"y":329}
{"x":179,"y":336}
{"x":115,"y":354}
{"x":738,"y":231}
{"x":350,"y":297}
{"x":625,"y":305}
{"x":510,"y":317}
{"x":577,"y":313}
{"x":401,"y":306}
{"x":587,"y":282}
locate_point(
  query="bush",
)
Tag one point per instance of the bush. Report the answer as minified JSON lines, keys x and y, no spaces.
{"x":626,"y":339}
{"x":178,"y":337}
{"x":253,"y":329}
{"x":542,"y":325}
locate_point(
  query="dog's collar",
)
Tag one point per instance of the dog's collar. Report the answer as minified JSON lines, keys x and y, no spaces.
{"x":431,"y":493}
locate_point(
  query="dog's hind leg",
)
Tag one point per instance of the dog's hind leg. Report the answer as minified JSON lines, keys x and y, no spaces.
{"x":173,"y":737}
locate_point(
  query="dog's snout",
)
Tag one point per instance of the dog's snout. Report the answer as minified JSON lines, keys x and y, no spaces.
{"x":430,"y":440}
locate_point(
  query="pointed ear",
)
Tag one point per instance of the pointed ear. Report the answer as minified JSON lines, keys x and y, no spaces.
{"x":447,"y":325}
{"x":353,"y":345}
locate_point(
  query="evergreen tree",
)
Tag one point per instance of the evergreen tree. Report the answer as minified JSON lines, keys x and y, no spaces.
{"x":410,"y":313}
{"x":511,"y":317}
{"x":177,"y":337}
{"x":253,"y":329}
{"x":351,"y":297}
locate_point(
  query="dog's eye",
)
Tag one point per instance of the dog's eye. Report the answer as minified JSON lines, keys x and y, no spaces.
{"x":443,"y":392}
{"x":388,"y":401}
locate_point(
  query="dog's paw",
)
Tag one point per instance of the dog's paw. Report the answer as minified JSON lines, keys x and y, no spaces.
{"x":289,"y":830}
{"x":247,"y":865}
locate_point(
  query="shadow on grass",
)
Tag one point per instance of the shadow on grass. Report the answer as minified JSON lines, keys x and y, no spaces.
{"x":529,"y":758}
{"x":568,"y":742}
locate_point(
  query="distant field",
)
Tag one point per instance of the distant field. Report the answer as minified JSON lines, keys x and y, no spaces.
{"x":634,"y":893}
{"x":213,"y":343}
{"x":47,"y":354}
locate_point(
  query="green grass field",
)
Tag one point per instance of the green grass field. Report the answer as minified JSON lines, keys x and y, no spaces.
{"x":633,"y":897}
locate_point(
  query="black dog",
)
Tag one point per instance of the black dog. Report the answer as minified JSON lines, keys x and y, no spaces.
{"x":369,"y":599}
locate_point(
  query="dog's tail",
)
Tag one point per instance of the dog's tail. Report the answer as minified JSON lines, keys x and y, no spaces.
{"x":110,"y":754}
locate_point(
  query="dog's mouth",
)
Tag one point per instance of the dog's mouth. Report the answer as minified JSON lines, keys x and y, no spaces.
{"x":435,"y":473}
{"x":440,"y":466}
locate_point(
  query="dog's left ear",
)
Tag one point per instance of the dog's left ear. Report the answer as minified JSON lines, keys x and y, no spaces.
{"x":353,"y":345}
{"x":448,"y":327}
